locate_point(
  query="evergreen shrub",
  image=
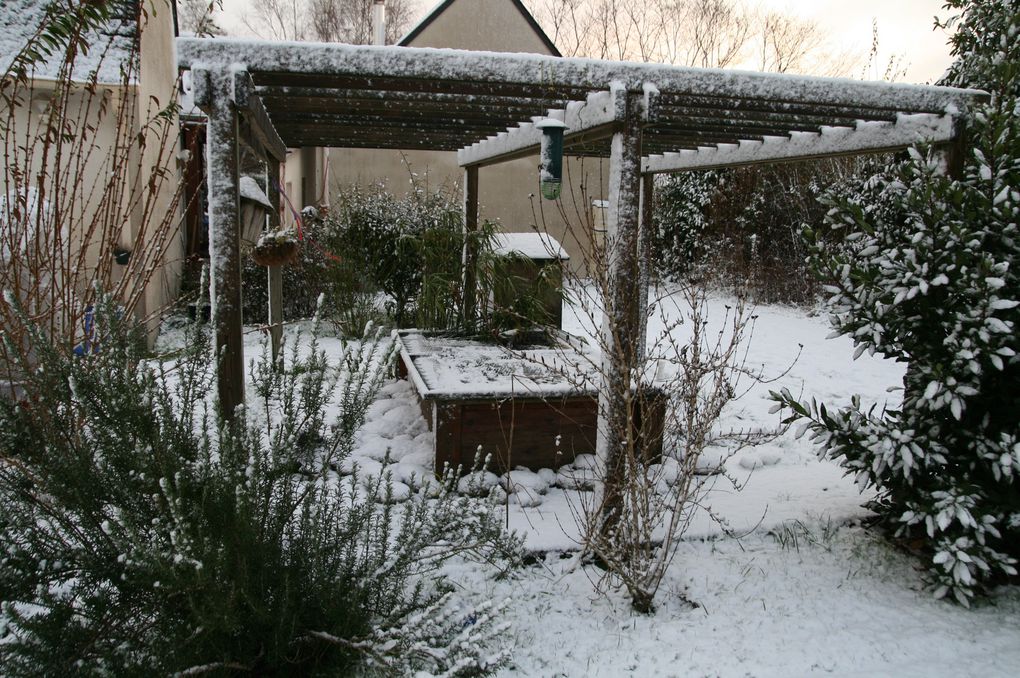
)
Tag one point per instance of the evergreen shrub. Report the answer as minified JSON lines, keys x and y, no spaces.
{"x":931,"y":280}
{"x":140,"y":536}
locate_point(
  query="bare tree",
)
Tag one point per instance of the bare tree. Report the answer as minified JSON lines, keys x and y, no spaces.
{"x":351,"y":20}
{"x":197,"y":17}
{"x":278,"y":19}
{"x":707,"y":33}
{"x":347,"y":21}
{"x":700,"y":33}
{"x":715,"y":32}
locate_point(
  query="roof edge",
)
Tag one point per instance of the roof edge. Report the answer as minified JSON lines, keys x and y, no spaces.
{"x":442,"y":7}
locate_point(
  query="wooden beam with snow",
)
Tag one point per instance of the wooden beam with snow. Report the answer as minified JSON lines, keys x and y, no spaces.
{"x":222,"y":160}
{"x":470,"y":254}
{"x":622,"y":320}
{"x":427,"y":67}
{"x":275,"y":273}
{"x":596,"y":118}
{"x":865,"y":137}
{"x":247,"y":102}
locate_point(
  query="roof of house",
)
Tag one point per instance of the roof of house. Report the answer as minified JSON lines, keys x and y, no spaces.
{"x":443,"y":6}
{"x":537,"y":246}
{"x":107,"y":49}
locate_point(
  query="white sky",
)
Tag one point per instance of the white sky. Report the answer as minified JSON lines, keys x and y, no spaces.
{"x":905,"y":29}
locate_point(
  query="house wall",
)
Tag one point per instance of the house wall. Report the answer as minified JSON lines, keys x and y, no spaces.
{"x":84,"y":183}
{"x":157,"y":89}
{"x":47,"y":260}
{"x":482,"y":25}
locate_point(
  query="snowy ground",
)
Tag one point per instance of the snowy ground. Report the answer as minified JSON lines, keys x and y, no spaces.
{"x":805,"y":592}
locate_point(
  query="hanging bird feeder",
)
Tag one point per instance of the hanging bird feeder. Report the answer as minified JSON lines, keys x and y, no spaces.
{"x":551,"y":168}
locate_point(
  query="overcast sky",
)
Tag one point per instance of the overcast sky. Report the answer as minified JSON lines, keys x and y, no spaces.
{"x":905,"y":29}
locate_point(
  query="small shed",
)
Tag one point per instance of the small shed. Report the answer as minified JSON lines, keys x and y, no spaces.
{"x":532,"y":265}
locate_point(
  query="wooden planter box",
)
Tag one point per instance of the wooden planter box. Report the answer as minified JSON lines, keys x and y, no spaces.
{"x":474,"y":394}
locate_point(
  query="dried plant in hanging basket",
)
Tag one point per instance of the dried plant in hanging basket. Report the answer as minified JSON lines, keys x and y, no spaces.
{"x":275,"y":248}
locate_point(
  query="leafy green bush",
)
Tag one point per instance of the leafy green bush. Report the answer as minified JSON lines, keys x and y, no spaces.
{"x":932,"y":281}
{"x":138,"y":536}
{"x":410,"y":250}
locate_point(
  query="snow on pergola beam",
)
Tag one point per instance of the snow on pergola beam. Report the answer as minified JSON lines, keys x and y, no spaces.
{"x":537,"y":71}
{"x":865,"y":137}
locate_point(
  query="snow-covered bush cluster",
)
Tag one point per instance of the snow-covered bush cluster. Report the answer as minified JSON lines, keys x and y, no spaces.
{"x":138,"y":535}
{"x":740,"y":228}
{"x":932,"y":281}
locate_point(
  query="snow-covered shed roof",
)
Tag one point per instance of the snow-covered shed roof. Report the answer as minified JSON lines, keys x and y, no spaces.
{"x":537,"y":246}
{"x":108,"y":48}
{"x":484,"y":104}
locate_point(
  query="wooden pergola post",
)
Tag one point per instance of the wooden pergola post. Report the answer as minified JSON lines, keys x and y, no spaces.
{"x":214,"y":93}
{"x":470,"y":246}
{"x":646,"y":234}
{"x":275,"y":272}
{"x":622,"y":318}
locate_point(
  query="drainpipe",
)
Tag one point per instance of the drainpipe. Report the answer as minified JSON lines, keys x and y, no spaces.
{"x":379,"y":22}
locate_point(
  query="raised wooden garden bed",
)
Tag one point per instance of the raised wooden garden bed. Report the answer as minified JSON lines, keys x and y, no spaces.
{"x":535,"y":407}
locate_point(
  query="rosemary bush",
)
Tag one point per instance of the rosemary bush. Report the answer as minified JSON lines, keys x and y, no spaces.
{"x":140,"y":536}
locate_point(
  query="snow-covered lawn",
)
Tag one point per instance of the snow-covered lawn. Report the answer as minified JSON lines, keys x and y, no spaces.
{"x":806,"y":591}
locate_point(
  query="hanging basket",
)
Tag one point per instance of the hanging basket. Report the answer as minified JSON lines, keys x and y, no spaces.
{"x":275,"y":249}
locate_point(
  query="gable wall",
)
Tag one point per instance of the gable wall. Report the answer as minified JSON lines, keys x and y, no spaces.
{"x":484,"y":25}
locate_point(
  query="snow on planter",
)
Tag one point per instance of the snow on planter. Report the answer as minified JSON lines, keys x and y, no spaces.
{"x":534,"y":408}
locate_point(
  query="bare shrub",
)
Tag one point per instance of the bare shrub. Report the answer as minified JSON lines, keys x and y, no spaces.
{"x":89,"y":187}
{"x":683,"y":373}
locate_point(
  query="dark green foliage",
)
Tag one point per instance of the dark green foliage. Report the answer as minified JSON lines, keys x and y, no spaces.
{"x":398,"y":245}
{"x":303,"y":281}
{"x":526,"y":295}
{"x":741,"y":227}
{"x":139,"y":537}
{"x":931,"y":280}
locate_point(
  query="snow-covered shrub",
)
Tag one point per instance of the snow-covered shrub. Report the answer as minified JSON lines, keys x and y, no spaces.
{"x":409,"y":249}
{"x":140,"y":537}
{"x":682,"y":202}
{"x":740,"y":228}
{"x":933,"y":282}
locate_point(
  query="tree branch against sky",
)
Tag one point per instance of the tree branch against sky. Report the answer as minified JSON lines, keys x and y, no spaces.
{"x":347,"y":21}
{"x":700,"y":33}
{"x":817,"y":37}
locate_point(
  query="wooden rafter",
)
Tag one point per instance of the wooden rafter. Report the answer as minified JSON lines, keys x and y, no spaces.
{"x":865,"y":137}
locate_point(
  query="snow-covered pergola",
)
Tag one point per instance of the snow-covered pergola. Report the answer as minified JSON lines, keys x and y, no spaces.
{"x":645,"y":118}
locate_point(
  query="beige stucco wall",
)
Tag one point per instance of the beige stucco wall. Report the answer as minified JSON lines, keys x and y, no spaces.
{"x":489,"y":25}
{"x":157,"y":89}
{"x":84,"y":180}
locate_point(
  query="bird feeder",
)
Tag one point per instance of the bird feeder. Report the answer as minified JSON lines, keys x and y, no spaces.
{"x":255,"y":207}
{"x":551,"y":168}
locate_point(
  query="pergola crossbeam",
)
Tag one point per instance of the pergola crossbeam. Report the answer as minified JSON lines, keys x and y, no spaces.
{"x":865,"y":137}
{"x":597,"y":117}
{"x":281,"y":63}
